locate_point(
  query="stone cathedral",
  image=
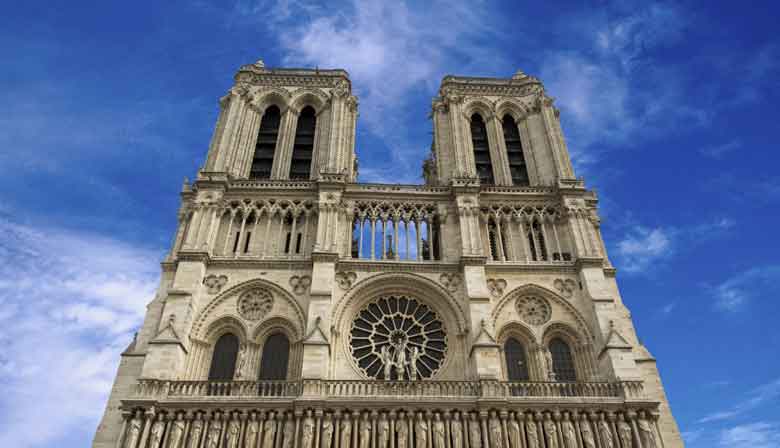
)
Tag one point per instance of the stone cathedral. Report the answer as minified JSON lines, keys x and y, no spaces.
{"x":299,"y":308}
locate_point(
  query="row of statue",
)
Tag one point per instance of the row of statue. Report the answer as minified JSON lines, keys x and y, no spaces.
{"x":269,"y":429}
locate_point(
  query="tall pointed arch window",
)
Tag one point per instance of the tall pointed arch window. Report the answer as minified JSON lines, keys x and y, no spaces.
{"x":536,"y":243}
{"x":303,"y":148}
{"x":276,"y":356}
{"x":479,"y":141}
{"x":516,"y":362}
{"x":263,"y":160}
{"x":514,"y":151}
{"x":223,"y":361}
{"x":563,"y":362}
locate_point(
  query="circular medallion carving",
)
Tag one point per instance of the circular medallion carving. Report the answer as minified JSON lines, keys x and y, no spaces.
{"x":533,"y":310}
{"x":255,"y":304}
{"x":398,"y":338}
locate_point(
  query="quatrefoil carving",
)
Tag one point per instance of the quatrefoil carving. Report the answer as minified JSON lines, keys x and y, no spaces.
{"x":565,"y":287}
{"x":300,"y":283}
{"x":450,"y":281}
{"x":345,"y":279}
{"x":214,"y":283}
{"x":496,"y":286}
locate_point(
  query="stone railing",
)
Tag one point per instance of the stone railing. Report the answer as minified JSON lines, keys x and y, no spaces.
{"x":387,"y":389}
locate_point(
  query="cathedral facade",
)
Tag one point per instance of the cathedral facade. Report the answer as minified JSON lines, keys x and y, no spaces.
{"x":298,"y":308}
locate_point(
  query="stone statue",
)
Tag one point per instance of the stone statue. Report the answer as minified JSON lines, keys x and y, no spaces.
{"x":240,"y":362}
{"x":327,"y":431}
{"x":606,"y":435}
{"x":215,"y":430}
{"x":402,"y":429}
{"x":387,"y":360}
{"x":569,"y":436}
{"x":307,"y":436}
{"x":134,"y":431}
{"x":548,"y":361}
{"x":456,"y":428}
{"x":250,"y":438}
{"x":552,"y":434}
{"x":177,"y":431}
{"x":156,"y":434}
{"x":513,"y":427}
{"x":533,"y":433}
{"x":289,"y":432}
{"x":233,"y":433}
{"x":383,"y":432}
{"x":195,"y":431}
{"x":269,"y":431}
{"x":646,"y":434}
{"x":420,"y":432}
{"x":494,"y":425}
{"x":413,"y":364}
{"x":346,"y":432}
{"x":365,"y":432}
{"x":475,"y":433}
{"x":587,"y":434}
{"x":439,"y":432}
{"x":400,"y":362}
{"x":624,"y":432}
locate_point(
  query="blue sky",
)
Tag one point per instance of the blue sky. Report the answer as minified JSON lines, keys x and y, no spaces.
{"x":669,"y":109}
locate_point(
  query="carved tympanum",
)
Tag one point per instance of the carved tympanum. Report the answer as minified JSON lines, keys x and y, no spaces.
{"x":255,"y":304}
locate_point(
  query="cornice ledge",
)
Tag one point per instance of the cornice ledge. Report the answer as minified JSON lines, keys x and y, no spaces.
{"x":473,"y":260}
{"x":589,"y":262}
{"x":396,"y":266}
{"x":260,"y":263}
{"x":562,"y":267}
{"x":193,"y":255}
{"x":324,"y":257}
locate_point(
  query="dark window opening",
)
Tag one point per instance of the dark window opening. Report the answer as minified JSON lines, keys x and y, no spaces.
{"x":514,"y":151}
{"x":235,"y":242}
{"x":298,"y":243}
{"x":493,"y":240}
{"x":516,"y":363}
{"x":223,"y":361}
{"x":276,"y":355}
{"x":479,"y":141}
{"x":563,"y":362}
{"x":246,"y":243}
{"x":263,"y":160}
{"x":287,"y":243}
{"x":303,"y":147}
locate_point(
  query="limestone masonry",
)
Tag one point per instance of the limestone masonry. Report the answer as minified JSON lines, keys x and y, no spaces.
{"x":299,"y":308}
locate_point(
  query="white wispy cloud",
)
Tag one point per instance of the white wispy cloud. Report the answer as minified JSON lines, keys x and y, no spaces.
{"x":70,"y":302}
{"x":766,"y":393}
{"x":718,"y":151}
{"x":642,"y":247}
{"x":734,"y":293}
{"x":751,"y":435}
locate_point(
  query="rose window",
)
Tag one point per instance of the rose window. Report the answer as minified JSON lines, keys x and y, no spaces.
{"x":533,"y":310}
{"x":398,"y":338}
{"x":255,"y":304}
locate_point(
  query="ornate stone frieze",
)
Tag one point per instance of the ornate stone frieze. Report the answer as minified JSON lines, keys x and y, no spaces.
{"x":345,"y":279}
{"x":533,"y":310}
{"x":300,"y":283}
{"x":565,"y":286}
{"x":496,"y":286}
{"x":214,"y":283}
{"x":255,"y":304}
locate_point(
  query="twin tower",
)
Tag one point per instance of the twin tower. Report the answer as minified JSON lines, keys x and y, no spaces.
{"x":298,"y":307}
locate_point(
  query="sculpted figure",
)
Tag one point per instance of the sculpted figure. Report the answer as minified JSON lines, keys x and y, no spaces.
{"x":195,"y":432}
{"x":240,"y":362}
{"x":439,"y":433}
{"x":549,"y":362}
{"x":413,"y":364}
{"x":327,"y":431}
{"x":420,"y":432}
{"x":647,"y":434}
{"x":552,"y":434}
{"x":533,"y":433}
{"x":269,"y":431}
{"x":475,"y":438}
{"x":587,"y":434}
{"x":624,"y":432}
{"x":514,"y":433}
{"x":457,"y":432}
{"x":387,"y":360}
{"x":250,"y":439}
{"x":215,"y":430}
{"x":307,"y":436}
{"x":569,"y":436}
{"x":402,"y":429}
{"x":400,"y":362}
{"x":494,"y":425}
{"x":365,"y":432}
{"x":383,"y":432}
{"x":156,"y":434}
{"x":233,"y":432}
{"x":177,"y":431}
{"x":346,"y":432}
{"x":288,"y":432}
{"x":606,"y":435}
{"x":134,"y":431}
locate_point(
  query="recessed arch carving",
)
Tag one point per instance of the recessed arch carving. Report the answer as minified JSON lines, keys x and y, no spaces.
{"x":516,"y":109}
{"x":276,"y":96}
{"x":481,"y":106}
{"x":223,"y":325}
{"x":309,"y":97}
